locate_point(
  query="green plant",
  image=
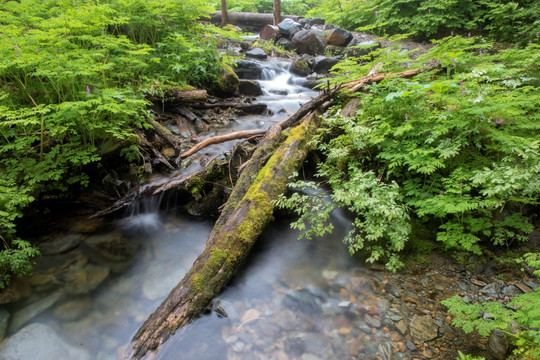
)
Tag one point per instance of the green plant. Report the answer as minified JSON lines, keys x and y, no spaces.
{"x":462,"y":356}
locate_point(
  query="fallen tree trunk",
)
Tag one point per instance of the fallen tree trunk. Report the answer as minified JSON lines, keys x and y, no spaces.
{"x":234,"y":234}
{"x":249,"y":19}
{"x":179,"y":95}
{"x":247,"y":108}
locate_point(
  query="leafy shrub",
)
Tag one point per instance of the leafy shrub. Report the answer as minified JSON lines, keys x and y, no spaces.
{"x":458,"y":150}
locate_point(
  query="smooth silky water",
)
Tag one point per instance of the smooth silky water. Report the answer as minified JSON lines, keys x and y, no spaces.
{"x":293,"y":299}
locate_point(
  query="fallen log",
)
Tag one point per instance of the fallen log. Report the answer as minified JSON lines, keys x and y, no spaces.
{"x":164,"y":133}
{"x":179,"y":95}
{"x":229,"y":243}
{"x":220,"y":139}
{"x":249,"y":19}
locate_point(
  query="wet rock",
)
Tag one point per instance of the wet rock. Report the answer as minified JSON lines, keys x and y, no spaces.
{"x":4,"y":319}
{"x":10,"y":294}
{"x":386,"y":351}
{"x":285,"y":43}
{"x":300,"y":67}
{"x":88,"y":226}
{"x":286,"y":319}
{"x":82,"y":281}
{"x":278,"y":92}
{"x":372,"y":322}
{"x":303,"y":300}
{"x":72,"y":310}
{"x":393,"y":290}
{"x":115,"y":186}
{"x":323,"y":64}
{"x":497,"y":345}
{"x":228,"y":80}
{"x":531,"y":284}
{"x":311,"y":21}
{"x":309,"y":357}
{"x":410,"y":345}
{"x":402,"y":327}
{"x":112,"y":246}
{"x":294,"y":346}
{"x":22,"y":316}
{"x":257,"y":53}
{"x":287,"y":26}
{"x":248,"y":69}
{"x":339,"y":37}
{"x":60,"y":245}
{"x":423,"y":328}
{"x":309,"y":42}
{"x":39,"y":342}
{"x":250,"y":88}
{"x":42,"y":280}
{"x":269,"y":32}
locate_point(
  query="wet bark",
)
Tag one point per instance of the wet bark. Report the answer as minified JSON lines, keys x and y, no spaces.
{"x":249,"y":19}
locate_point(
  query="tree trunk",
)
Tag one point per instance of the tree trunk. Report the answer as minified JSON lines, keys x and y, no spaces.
{"x":277,"y":12}
{"x":223,"y":12}
{"x":247,"y":212}
{"x":249,"y":19}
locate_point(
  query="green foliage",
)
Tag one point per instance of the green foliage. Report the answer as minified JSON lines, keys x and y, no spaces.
{"x":73,"y":75}
{"x":289,"y":7}
{"x":462,"y":356}
{"x":510,"y":21}
{"x":457,"y":149}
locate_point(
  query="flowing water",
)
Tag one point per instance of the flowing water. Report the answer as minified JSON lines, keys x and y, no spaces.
{"x":294,"y":299}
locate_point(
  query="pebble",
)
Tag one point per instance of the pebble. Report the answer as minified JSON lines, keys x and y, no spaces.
{"x":393,"y":290}
{"x":372,"y":322}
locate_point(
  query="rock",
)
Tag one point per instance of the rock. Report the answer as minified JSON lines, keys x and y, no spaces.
{"x":323,"y":64}
{"x":497,"y":345}
{"x":362,"y":48}
{"x":168,"y":152}
{"x":335,"y":50}
{"x":82,"y":281}
{"x":309,"y":42}
{"x":248,"y":69}
{"x":88,"y":226}
{"x":410,"y":345}
{"x":72,"y":310}
{"x":372,"y":322}
{"x":269,"y":32}
{"x":393,"y":290}
{"x":10,"y":294}
{"x":22,"y":316}
{"x":311,"y":21}
{"x":115,"y":186}
{"x":524,"y":288}
{"x":294,"y":346}
{"x":510,"y":291}
{"x":60,"y":245}
{"x":228,"y":80}
{"x":492,"y":289}
{"x":303,"y":300}
{"x":339,"y":37}
{"x":250,"y":88}
{"x":285,"y":43}
{"x":112,"y":246}
{"x":257,"y":53}
{"x":287,"y":25}
{"x":278,"y":91}
{"x":4,"y":319}
{"x":531,"y":284}
{"x":300,"y":67}
{"x":286,"y":319}
{"x":386,"y":351}
{"x":42,"y":279}
{"x":309,"y":357}
{"x":363,"y":326}
{"x":39,"y":342}
{"x":423,"y":328}
{"x":402,"y":327}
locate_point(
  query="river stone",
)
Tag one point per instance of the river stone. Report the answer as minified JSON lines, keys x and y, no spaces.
{"x":287,"y":25}
{"x":372,"y":322}
{"x":393,"y":290}
{"x":22,"y":316}
{"x":257,"y":53}
{"x":72,"y":310}
{"x":510,"y":290}
{"x":250,"y":88}
{"x":294,"y":346}
{"x":82,"y":281}
{"x":269,"y":32}
{"x":300,"y":67}
{"x":311,"y":21}
{"x":228,"y":80}
{"x":60,"y":245}
{"x":309,"y":357}
{"x":322,"y":64}
{"x":402,"y":327}
{"x":88,"y":226}
{"x":423,"y":328}
{"x":497,"y":345}
{"x":285,"y":43}
{"x":309,"y":42}
{"x":492,"y":289}
{"x":248,"y":69}
{"x":112,"y":246}
{"x":339,"y":37}
{"x":286,"y":319}
{"x":4,"y":319}
{"x":303,"y":300}
{"x":39,"y":342}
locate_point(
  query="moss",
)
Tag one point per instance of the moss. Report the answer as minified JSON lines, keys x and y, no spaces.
{"x":228,"y":80}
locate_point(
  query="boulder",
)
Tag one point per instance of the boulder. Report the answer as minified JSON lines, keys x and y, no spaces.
{"x":423,"y":328}
{"x":82,"y":281}
{"x":269,"y":32}
{"x":60,"y":245}
{"x":250,"y":88}
{"x":300,"y":67}
{"x":257,"y":53}
{"x":323,"y":64}
{"x":287,"y":25}
{"x":22,"y":316}
{"x":228,"y":80}
{"x":112,"y":246}
{"x":285,"y":43}
{"x":497,"y":345}
{"x":309,"y":42}
{"x":39,"y":342}
{"x":248,"y":69}
{"x":339,"y":37}
{"x":311,"y":21}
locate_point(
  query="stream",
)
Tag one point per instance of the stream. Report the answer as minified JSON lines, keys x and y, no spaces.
{"x":295,"y":299}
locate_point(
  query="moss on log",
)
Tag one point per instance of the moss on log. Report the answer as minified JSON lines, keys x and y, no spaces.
{"x":248,"y":211}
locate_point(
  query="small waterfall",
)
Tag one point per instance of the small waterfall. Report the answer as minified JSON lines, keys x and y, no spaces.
{"x":145,"y":214}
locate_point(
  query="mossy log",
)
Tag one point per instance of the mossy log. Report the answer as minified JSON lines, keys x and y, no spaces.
{"x":248,"y":19}
{"x":247,"y":212}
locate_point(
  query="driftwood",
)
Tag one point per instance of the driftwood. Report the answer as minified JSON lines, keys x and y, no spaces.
{"x":185,"y":112}
{"x":249,"y":19}
{"x":164,"y":133}
{"x":220,"y":139}
{"x":234,"y":234}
